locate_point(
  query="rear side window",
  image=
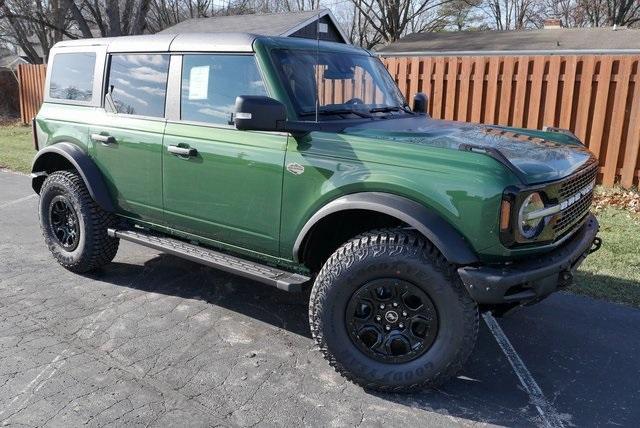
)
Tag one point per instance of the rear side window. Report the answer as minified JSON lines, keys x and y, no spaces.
{"x":138,"y":83}
{"x":72,"y":76}
{"x":211,"y":83}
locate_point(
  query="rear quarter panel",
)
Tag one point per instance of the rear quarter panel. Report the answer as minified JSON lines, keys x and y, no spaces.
{"x":64,"y":122}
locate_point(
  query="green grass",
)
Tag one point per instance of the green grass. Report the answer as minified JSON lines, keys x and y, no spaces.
{"x":613,"y":273}
{"x":16,"y":148}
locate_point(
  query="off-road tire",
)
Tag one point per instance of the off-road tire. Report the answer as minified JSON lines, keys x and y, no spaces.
{"x":94,"y":248}
{"x":396,"y":253}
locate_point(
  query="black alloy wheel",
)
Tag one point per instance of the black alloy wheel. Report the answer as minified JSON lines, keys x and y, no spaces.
{"x":391,"y":320}
{"x":63,"y":221}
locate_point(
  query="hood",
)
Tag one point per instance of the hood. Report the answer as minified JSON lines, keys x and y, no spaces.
{"x":535,"y":155}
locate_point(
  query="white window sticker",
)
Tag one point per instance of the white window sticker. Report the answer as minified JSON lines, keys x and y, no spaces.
{"x":199,"y":83}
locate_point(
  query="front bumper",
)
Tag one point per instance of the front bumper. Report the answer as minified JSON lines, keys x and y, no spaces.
{"x":533,"y":279}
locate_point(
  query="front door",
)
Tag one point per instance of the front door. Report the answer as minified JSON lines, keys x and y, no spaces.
{"x":127,"y":133}
{"x":220,"y":183}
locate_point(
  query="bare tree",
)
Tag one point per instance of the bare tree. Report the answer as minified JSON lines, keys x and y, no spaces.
{"x":513,"y":14}
{"x":163,"y":14}
{"x":595,"y":11}
{"x":461,"y":14}
{"x":359,"y":29}
{"x":298,"y":5}
{"x":391,"y":19}
{"x":592,"y":13}
{"x":108,"y":18}
{"x":623,"y":12}
{"x":34,"y":25}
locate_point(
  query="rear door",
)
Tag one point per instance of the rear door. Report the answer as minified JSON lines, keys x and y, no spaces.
{"x":127,"y":132}
{"x":220,"y":183}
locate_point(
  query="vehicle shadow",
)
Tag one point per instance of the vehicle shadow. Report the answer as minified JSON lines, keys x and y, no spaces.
{"x":189,"y":280}
{"x":487,"y":390}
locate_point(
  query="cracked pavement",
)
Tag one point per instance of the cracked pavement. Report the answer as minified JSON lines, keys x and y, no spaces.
{"x":158,"y":341}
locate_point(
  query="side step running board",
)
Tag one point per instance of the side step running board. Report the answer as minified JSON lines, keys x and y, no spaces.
{"x":284,"y":280}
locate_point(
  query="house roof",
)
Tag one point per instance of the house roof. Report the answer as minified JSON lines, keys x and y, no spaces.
{"x":560,"y":39}
{"x":9,"y":60}
{"x":267,"y":24}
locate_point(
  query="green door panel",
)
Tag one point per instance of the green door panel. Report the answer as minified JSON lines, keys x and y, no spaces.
{"x":231,"y":190}
{"x":132,"y":164}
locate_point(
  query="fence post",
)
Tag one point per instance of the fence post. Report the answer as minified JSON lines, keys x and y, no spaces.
{"x":20,"y":92}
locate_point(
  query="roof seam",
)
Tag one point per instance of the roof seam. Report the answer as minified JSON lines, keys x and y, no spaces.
{"x":173,"y":39}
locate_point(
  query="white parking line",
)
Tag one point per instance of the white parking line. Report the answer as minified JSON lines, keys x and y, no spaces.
{"x":17,"y":201}
{"x":548,"y":413}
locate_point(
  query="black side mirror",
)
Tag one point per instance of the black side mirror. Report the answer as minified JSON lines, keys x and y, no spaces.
{"x":421,"y":103}
{"x":258,"y":113}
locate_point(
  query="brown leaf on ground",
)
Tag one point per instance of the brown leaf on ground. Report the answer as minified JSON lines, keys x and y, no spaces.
{"x":617,"y":197}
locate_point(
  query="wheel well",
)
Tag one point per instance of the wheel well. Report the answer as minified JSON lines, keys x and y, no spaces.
{"x":49,"y":162}
{"x":337,"y":228}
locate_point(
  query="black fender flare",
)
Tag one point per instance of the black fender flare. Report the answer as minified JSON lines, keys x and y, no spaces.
{"x":425,"y":220}
{"x":81,"y":161}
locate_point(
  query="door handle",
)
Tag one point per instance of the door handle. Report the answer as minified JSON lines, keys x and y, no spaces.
{"x":182,"y":151}
{"x":104,"y":139}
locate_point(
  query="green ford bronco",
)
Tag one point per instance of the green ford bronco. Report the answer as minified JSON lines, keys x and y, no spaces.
{"x":299,"y":164}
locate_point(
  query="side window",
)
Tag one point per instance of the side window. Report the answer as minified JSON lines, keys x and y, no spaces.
{"x":138,"y":83}
{"x":211,"y":83}
{"x":72,"y":76}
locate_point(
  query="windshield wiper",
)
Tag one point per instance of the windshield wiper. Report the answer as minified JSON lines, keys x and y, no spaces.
{"x":336,"y":111}
{"x":386,"y":109}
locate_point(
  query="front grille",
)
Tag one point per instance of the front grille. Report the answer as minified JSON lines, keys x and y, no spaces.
{"x":578,"y":181}
{"x":575,"y":212}
{"x":572,"y":215}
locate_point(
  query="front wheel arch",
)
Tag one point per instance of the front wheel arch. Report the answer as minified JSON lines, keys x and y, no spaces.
{"x":406,"y":212}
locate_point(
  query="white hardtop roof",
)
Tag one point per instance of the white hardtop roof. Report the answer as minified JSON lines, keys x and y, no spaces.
{"x":196,"y":42}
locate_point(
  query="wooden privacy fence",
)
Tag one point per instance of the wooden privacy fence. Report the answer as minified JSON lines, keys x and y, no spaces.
{"x":31,"y":89}
{"x":595,"y":96}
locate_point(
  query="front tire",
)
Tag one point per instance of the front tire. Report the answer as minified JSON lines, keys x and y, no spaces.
{"x":389,"y":313}
{"x":73,"y":225}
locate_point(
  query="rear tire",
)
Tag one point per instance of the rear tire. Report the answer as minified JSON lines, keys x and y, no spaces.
{"x":399,"y":270}
{"x":73,"y":225}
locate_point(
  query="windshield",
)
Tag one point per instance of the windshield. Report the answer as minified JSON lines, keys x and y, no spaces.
{"x":343,"y":85}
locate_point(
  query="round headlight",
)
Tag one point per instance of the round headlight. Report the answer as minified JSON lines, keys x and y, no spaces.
{"x":531,"y":228}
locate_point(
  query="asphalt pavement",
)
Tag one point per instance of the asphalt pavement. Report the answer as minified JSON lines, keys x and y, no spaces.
{"x":158,"y":341}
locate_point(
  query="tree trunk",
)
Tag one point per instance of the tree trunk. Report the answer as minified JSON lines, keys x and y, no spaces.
{"x":79,"y":18}
{"x":112,"y":9}
{"x":141,"y":16}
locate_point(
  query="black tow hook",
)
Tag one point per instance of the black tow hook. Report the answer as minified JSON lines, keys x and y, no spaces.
{"x":595,"y":245}
{"x":566,"y":279}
